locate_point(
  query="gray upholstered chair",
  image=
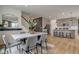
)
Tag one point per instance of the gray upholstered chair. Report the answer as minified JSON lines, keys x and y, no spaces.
{"x":41,"y":40}
{"x":10,"y":42}
{"x":29,"y":45}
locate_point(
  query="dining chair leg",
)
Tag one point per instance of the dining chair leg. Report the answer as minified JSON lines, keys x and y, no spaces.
{"x":41,"y":49}
{"x":28,"y":51}
{"x":31,"y":50}
{"x":36,"y":49}
{"x":5,"y":50}
{"x":19,"y":48}
{"x":10,"y":49}
{"x":22,"y":50}
{"x":46,"y":44}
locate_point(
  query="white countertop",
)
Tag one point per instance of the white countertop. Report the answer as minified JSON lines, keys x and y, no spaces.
{"x":26,"y":35}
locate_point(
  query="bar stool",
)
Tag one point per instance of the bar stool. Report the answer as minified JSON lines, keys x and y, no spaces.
{"x":58,"y":33}
{"x":54,"y":33}
{"x":68,"y":35}
{"x":71,"y":36}
{"x":62,"y":34}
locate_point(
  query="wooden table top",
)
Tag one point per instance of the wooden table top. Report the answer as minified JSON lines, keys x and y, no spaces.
{"x":1,"y":43}
{"x":2,"y":46}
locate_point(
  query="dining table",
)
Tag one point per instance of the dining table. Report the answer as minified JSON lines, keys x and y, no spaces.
{"x":24,"y":36}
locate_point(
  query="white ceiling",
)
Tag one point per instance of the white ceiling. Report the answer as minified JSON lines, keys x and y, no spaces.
{"x":50,"y":11}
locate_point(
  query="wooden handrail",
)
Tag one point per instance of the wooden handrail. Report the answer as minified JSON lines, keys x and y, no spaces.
{"x":25,"y":19}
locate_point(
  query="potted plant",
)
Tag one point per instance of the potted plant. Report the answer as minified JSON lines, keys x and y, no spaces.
{"x":32,"y":24}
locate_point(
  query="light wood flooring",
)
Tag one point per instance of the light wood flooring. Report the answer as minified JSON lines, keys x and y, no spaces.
{"x":63,"y":45}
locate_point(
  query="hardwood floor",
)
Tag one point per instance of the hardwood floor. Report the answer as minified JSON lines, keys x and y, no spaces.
{"x":63,"y":45}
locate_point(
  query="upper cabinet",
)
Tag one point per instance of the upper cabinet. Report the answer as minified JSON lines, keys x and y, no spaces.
{"x":67,"y":22}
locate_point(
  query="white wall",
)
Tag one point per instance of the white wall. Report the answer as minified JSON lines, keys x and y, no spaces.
{"x":72,"y":25}
{"x":8,"y":10}
{"x":0,"y":19}
{"x":45,"y":21}
{"x":24,"y":23}
{"x":13,"y":11}
{"x":53,"y":25}
{"x":26,"y":15}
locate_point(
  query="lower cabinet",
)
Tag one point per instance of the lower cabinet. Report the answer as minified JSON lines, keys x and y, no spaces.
{"x":64,"y":33}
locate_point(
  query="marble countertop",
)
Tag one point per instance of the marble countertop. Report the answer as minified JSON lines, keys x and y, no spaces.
{"x":26,"y":35}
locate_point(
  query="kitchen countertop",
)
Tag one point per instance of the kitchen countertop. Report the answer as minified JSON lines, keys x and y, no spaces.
{"x":8,"y":28}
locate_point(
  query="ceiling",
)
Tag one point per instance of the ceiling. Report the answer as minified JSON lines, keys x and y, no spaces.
{"x":50,"y":11}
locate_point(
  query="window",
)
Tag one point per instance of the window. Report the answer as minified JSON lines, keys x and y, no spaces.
{"x":14,"y":24}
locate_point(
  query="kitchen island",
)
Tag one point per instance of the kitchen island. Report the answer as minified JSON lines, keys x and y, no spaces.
{"x":64,"y":33}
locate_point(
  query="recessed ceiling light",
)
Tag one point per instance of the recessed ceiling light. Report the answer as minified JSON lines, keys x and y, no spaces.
{"x":26,"y":5}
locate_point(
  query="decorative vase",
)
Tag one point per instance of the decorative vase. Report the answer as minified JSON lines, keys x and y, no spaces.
{"x":31,"y":31}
